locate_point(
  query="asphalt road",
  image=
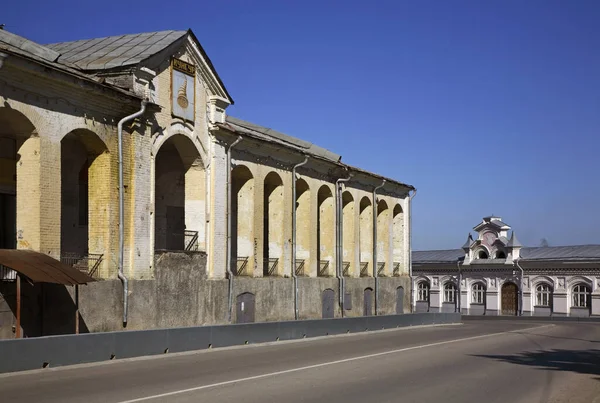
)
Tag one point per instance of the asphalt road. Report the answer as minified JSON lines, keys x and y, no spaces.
{"x":479,"y":361}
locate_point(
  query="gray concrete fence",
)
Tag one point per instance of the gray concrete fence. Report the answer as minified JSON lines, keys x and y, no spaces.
{"x":527,"y":318}
{"x":55,"y":351}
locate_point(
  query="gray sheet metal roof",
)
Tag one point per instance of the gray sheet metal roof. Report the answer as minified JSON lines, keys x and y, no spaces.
{"x":574,"y":252}
{"x":24,"y":48}
{"x":504,"y":240}
{"x":514,"y":242}
{"x":29,"y":47}
{"x":114,"y":51}
{"x":437,"y":256}
{"x":270,"y":134}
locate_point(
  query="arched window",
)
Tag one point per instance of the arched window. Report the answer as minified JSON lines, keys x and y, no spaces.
{"x":482,"y":254}
{"x":581,"y":296}
{"x":478,"y":294}
{"x":423,"y":291}
{"x":449,"y":292}
{"x":543,"y":295}
{"x":500,"y":255}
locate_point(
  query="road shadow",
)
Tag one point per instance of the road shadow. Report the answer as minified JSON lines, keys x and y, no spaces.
{"x":558,"y":337}
{"x":579,"y":361}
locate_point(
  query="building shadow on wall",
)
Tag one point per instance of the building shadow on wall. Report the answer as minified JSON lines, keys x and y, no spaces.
{"x":579,"y":361}
{"x":46,"y":309}
{"x":58,"y":310}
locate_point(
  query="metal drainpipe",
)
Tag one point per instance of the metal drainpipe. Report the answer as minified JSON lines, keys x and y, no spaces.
{"x":228,"y":257}
{"x":339,"y":239}
{"x":375,"y":244}
{"x":121,"y":275}
{"x":459,"y":286}
{"x":296,"y":313}
{"x":520,"y":288}
{"x":410,"y":197}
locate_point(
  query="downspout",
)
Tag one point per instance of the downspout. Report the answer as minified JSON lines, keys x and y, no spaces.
{"x":520,"y":288}
{"x":296,"y":313}
{"x":340,"y":239}
{"x":228,"y":257}
{"x":121,"y":275}
{"x":375,"y":243}
{"x":459,"y":286}
{"x":410,"y":197}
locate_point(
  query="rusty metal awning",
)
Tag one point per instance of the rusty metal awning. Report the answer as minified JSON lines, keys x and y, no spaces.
{"x":41,"y":268}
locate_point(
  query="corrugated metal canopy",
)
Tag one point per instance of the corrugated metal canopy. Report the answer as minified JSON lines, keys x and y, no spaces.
{"x":41,"y":268}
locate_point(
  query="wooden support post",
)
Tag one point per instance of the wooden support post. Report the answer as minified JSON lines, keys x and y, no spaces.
{"x":18,"y":330}
{"x":76,"y":309}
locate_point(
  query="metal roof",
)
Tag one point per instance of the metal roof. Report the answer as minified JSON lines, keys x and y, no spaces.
{"x":573,"y":252}
{"x":468,"y":243}
{"x":270,"y":134}
{"x":504,"y":240}
{"x":28,"y":46}
{"x":555,"y":253}
{"x":514,"y":242}
{"x":491,"y":220}
{"x":114,"y":51}
{"x":41,"y":268}
{"x":437,"y":256}
{"x":23,"y":48}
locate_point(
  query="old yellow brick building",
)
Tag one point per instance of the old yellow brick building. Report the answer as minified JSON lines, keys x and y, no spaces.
{"x":186,"y":216}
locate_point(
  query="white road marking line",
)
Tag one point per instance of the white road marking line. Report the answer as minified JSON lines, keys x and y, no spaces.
{"x":324,"y":364}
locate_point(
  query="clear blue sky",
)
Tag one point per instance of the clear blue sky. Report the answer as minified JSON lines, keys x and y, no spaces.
{"x":487,"y":107}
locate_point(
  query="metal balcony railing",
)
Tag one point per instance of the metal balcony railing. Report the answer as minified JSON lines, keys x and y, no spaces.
{"x":7,"y":274}
{"x":300,"y":267}
{"x":381,"y":269}
{"x":396,"y":269}
{"x":364,"y":269}
{"x":270,"y":267}
{"x":86,"y":263}
{"x":241,"y":268}
{"x":323,"y":268}
{"x":191,"y":240}
{"x":346,"y":269}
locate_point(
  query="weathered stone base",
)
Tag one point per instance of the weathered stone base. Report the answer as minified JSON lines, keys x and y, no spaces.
{"x":180,"y":295}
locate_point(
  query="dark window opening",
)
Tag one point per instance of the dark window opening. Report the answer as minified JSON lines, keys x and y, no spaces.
{"x":482,"y":254}
{"x":83,"y":195}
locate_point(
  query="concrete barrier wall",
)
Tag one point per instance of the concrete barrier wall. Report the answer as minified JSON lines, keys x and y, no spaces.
{"x":54,"y":351}
{"x":532,"y":318}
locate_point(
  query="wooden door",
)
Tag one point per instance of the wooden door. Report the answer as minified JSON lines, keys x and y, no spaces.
{"x":510,"y":299}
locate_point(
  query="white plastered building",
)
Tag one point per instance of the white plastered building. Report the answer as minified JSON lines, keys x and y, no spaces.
{"x":494,"y":274}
